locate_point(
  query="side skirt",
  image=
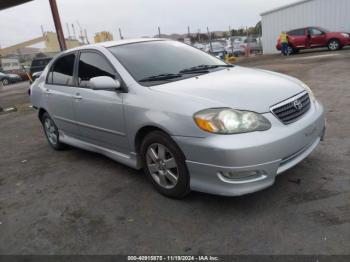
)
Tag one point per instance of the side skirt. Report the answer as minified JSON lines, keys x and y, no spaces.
{"x":128,"y":160}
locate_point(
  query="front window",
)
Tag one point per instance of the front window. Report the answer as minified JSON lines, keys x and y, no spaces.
{"x":315,"y":31}
{"x":145,"y":60}
{"x":93,"y":65}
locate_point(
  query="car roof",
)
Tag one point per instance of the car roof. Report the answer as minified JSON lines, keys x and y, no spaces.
{"x":116,"y":43}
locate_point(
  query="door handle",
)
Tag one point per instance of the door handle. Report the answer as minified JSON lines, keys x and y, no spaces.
{"x":47,"y":91}
{"x":77,"y":96}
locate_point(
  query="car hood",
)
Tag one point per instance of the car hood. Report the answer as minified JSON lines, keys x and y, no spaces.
{"x":238,"y":87}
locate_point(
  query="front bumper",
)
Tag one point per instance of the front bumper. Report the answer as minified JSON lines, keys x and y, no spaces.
{"x":256,"y":158}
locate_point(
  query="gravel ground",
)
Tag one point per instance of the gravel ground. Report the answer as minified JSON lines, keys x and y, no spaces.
{"x":76,"y":202}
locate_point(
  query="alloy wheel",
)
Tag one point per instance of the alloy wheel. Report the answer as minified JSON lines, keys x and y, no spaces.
{"x":5,"y":82}
{"x":162,"y":165}
{"x":50,"y":131}
{"x":334,"y":45}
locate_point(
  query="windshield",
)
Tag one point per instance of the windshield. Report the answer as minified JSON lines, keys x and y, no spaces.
{"x":324,"y":30}
{"x":145,"y":60}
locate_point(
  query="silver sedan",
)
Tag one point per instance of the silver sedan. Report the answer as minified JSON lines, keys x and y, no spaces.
{"x":191,"y":121}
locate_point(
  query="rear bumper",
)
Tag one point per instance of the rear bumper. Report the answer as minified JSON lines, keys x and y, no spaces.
{"x":253,"y":159}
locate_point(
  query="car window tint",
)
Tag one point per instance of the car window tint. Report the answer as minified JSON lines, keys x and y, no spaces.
{"x":314,"y":31}
{"x":152,"y":58}
{"x":62,"y":73}
{"x":297,"y":32}
{"x":93,"y":65}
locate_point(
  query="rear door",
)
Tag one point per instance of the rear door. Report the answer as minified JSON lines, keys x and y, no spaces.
{"x":298,"y":38}
{"x":317,"y":38}
{"x":59,"y":90}
{"x":99,"y":112}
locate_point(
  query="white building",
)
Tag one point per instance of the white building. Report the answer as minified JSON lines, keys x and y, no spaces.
{"x":333,"y":15}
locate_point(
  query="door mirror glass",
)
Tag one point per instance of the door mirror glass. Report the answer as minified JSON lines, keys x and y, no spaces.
{"x":104,"y":83}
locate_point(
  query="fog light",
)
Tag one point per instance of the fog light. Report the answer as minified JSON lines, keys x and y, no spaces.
{"x":241,"y":174}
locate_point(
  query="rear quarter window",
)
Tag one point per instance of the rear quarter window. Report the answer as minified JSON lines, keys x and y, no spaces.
{"x":297,"y":32}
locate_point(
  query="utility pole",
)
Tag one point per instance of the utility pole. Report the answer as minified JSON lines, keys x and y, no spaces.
{"x":230,"y":37}
{"x":58,"y":26}
{"x":120,"y":34}
{"x":159,"y":32}
{"x":68,"y":31}
{"x":209,"y":37}
{"x":86,"y":37}
{"x":81,"y":33}
{"x":42,"y":30}
{"x":75,"y":36}
{"x":248,"y":47}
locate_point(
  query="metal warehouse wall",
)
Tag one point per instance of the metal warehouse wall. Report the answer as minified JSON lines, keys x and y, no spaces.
{"x":330,"y":14}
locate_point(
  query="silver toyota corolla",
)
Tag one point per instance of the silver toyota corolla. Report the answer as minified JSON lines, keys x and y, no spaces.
{"x":191,"y":121}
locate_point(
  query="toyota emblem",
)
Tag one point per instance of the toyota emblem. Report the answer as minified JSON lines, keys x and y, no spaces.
{"x":298,"y":105}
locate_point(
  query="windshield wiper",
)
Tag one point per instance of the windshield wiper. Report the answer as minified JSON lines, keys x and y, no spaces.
{"x":160,"y":77}
{"x":201,"y":69}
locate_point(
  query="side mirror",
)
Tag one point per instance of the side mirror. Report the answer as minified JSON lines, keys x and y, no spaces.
{"x":104,"y":83}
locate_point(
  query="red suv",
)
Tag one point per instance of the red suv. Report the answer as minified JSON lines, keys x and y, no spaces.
{"x":313,"y":37}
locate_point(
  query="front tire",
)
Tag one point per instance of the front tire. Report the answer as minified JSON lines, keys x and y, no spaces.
{"x":5,"y":81}
{"x":334,"y":45}
{"x":51,"y":132}
{"x":165,"y":166}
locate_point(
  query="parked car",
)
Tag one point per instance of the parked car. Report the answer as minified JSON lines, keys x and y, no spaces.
{"x":314,"y":37}
{"x":199,"y":46}
{"x":191,"y":121}
{"x":9,"y":78}
{"x":241,"y":44}
{"x":14,"y":78}
{"x":216,"y":49}
{"x":39,"y":64}
{"x":237,"y":49}
{"x":4,"y":78}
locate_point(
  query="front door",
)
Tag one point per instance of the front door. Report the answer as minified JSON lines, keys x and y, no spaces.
{"x":99,"y":113}
{"x":317,"y":38}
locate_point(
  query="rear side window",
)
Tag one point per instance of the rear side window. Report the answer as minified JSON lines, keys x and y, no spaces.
{"x":62,"y":71}
{"x":91,"y":65}
{"x":297,"y":32}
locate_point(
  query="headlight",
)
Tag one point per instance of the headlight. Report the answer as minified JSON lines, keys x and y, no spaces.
{"x":345,"y":35}
{"x":308,"y":89}
{"x":230,"y":121}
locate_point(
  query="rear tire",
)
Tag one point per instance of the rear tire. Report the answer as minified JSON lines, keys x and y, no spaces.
{"x":164,"y":165}
{"x":290,"y":50}
{"x":334,"y":45}
{"x":51,"y":132}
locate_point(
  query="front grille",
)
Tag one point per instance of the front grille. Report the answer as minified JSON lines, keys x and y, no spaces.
{"x":291,"y":111}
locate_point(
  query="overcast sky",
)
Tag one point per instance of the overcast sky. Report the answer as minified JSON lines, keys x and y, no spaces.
{"x":136,"y":17}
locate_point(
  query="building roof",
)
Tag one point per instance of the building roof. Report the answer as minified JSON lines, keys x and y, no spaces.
{"x":285,"y":7}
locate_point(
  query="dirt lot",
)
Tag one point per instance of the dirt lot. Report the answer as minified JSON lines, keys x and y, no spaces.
{"x":76,"y":202}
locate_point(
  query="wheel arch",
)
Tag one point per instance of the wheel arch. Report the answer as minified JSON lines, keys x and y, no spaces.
{"x":336,"y":39}
{"x":41,"y":112}
{"x":143,"y":132}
